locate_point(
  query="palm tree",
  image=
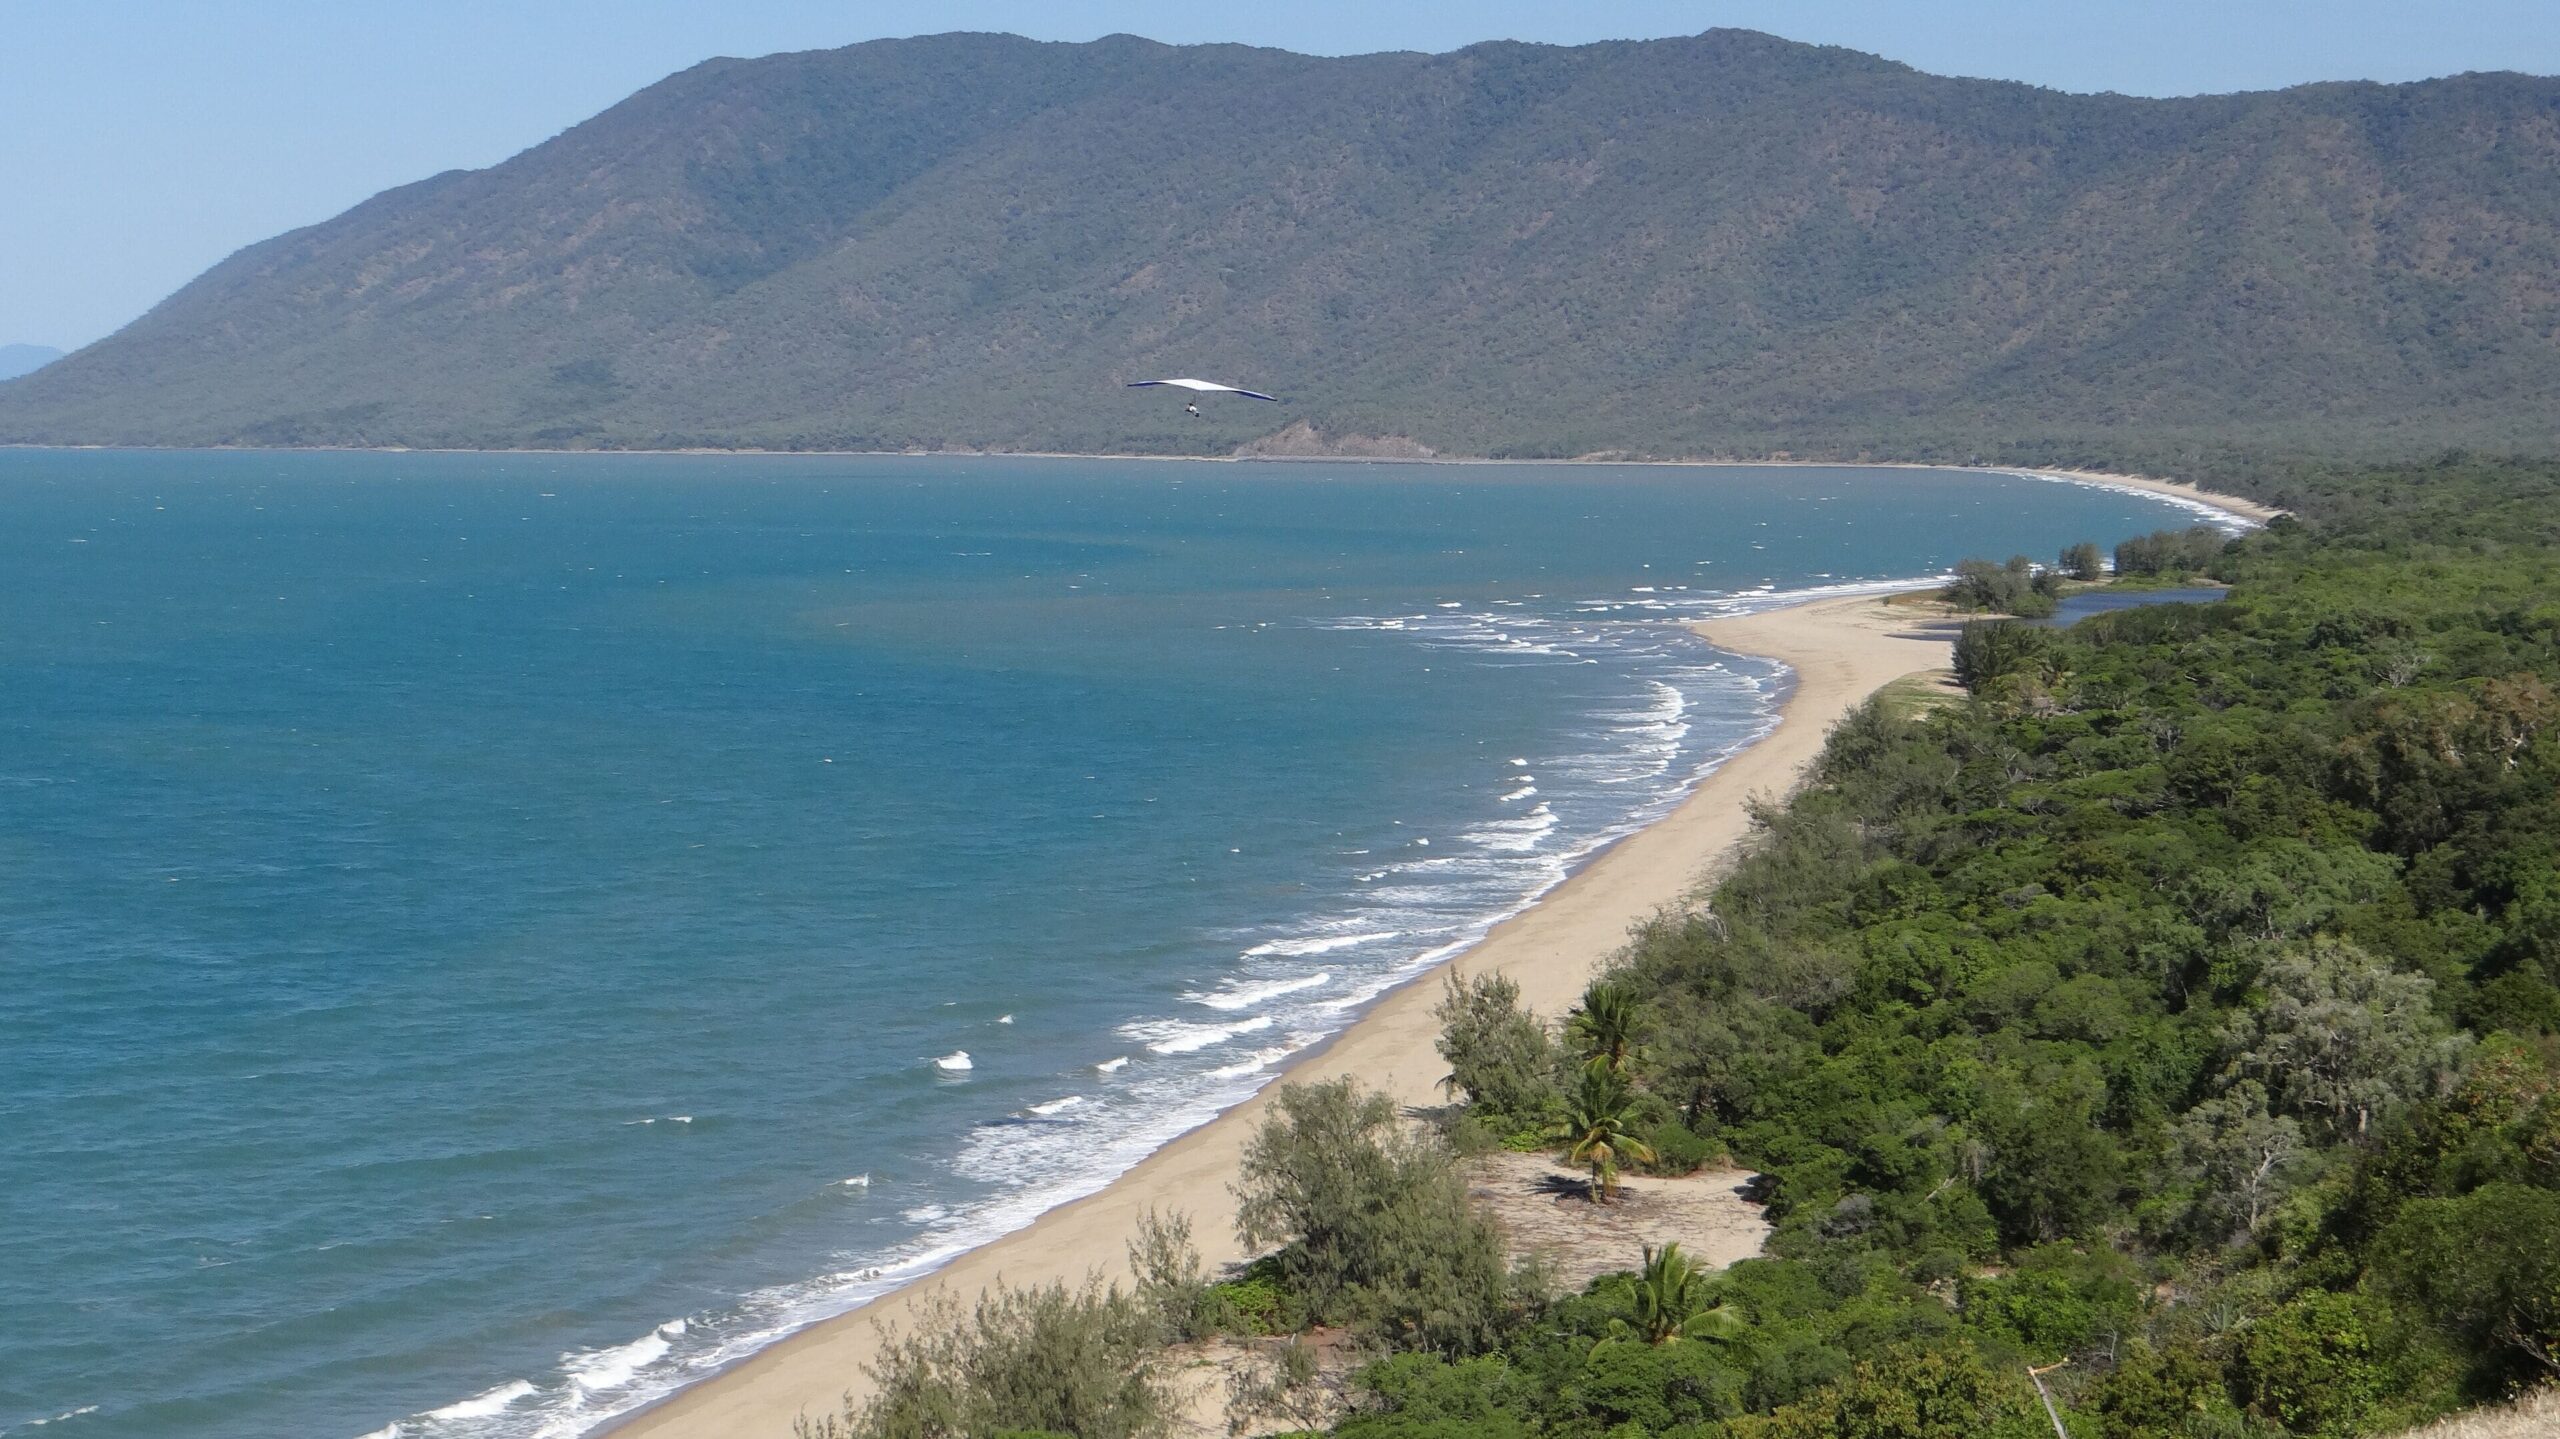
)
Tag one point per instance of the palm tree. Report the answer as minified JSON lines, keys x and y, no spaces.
{"x":1610,"y":1024}
{"x":1668,"y":1302}
{"x":1596,"y":1121}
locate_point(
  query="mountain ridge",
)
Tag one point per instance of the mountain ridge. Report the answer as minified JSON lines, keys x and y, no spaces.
{"x":1727,"y":243}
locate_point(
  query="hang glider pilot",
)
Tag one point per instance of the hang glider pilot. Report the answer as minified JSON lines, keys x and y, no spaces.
{"x":1191,"y":407}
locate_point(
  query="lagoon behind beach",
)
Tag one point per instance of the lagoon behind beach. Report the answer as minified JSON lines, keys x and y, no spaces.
{"x":501,"y":936}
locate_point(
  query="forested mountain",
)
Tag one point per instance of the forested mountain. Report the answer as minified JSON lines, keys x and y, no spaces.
{"x":1728,"y":243}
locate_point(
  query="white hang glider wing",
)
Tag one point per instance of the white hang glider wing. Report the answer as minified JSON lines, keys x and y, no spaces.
{"x":1205,"y":387}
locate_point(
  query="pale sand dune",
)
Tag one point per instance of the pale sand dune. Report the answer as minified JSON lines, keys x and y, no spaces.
{"x":1841,"y":650}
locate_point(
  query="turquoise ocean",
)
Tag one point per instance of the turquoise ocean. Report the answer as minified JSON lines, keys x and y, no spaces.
{"x":487,"y":938}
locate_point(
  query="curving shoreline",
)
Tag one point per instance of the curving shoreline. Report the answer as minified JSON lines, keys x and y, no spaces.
{"x":2249,"y":510}
{"x":1841,"y":651}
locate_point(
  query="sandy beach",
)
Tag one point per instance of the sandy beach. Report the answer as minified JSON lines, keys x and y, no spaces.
{"x":1841,"y":650}
{"x":2152,"y":484}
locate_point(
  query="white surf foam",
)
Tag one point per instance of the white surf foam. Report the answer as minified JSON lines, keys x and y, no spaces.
{"x":600,"y":1370}
{"x":1316,"y":944}
{"x":2230,"y":522}
{"x":1112,"y":1066}
{"x":1516,"y":836}
{"x":1174,"y":1036}
{"x":956,"y":1062}
{"x":1058,"y":1105}
{"x":1246,"y":996}
{"x":481,"y":1406}
{"x":1260,"y":1060}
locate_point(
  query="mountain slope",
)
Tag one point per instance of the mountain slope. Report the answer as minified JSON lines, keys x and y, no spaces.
{"x":1676,"y":246}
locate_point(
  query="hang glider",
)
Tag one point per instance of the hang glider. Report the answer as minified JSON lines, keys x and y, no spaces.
{"x":1205,"y":387}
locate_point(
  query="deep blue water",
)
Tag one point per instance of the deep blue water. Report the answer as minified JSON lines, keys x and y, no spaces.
{"x":476,"y":932}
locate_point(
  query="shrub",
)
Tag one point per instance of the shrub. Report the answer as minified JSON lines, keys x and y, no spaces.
{"x":2170,"y":552}
{"x":1422,"y":1396}
{"x":2056,"y":1303}
{"x":1677,"y":1149}
{"x":2165,"y":1392}
{"x":1908,"y":1394}
{"x":1373,"y":1222}
{"x":2312,"y":1366}
{"x":2011,"y":589}
{"x":1167,"y":1273}
{"x":1500,"y":1057}
{"x":1655,"y":1387}
{"x":1285,"y":1384}
{"x":1255,"y":1302}
{"x":1052,"y":1359}
{"x":1988,"y":651}
{"x":2485,"y":1267}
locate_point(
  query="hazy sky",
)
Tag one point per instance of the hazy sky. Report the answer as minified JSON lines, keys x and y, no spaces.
{"x":143,"y":140}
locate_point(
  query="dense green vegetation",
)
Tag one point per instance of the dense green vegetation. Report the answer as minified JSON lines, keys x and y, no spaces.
{"x":1719,"y":245}
{"x":2016,"y":588}
{"x":2176,"y":554}
{"x":2182,"y":1005}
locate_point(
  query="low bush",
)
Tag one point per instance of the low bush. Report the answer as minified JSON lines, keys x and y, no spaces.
{"x":2170,"y":552}
{"x":1501,"y":1060}
{"x":2016,"y":588}
{"x":1677,"y":1149}
{"x":1085,"y":1361}
{"x":1255,"y":1302}
{"x":1373,"y":1224}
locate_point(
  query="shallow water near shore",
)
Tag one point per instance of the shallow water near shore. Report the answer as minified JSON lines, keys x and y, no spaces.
{"x":488,"y":938}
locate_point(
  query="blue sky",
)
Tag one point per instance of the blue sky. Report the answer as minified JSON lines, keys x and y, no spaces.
{"x":142,"y":141}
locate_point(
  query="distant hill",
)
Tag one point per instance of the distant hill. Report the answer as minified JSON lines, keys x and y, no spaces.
{"x":16,"y":360}
{"x":1722,"y":244}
